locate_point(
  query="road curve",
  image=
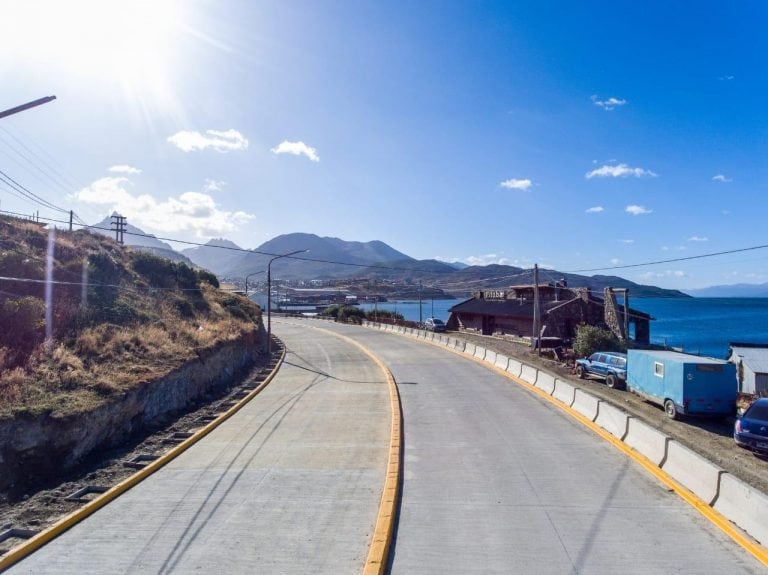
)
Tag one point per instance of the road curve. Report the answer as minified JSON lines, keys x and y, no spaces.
{"x":496,"y":480}
{"x":290,"y":484}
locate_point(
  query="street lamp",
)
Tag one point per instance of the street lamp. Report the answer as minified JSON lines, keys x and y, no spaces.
{"x":249,"y":275}
{"x":269,"y":296}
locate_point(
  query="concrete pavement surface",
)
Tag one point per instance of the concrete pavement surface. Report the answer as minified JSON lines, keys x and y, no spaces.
{"x":497,"y":480}
{"x":289,"y":484}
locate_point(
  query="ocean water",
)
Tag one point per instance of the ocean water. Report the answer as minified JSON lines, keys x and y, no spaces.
{"x":703,"y":326}
{"x":706,"y":325}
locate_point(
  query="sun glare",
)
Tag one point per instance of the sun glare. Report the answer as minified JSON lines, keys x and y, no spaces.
{"x":104,"y":43}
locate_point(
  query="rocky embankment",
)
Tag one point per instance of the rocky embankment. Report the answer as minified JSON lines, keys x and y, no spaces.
{"x":37,"y":448}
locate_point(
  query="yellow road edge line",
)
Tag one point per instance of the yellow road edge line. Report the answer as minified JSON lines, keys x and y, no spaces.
{"x":378,"y":551}
{"x":28,"y":547}
{"x":712,"y":515}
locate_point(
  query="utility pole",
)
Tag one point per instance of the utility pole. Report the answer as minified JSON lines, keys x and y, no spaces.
{"x":269,"y":296}
{"x":71,"y":215}
{"x":118,"y":224}
{"x":420,"y":318}
{"x":536,"y":318}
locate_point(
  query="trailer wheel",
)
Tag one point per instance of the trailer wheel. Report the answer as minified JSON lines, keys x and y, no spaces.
{"x":671,"y":409}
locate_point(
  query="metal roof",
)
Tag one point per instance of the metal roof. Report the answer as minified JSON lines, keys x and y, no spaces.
{"x":755,"y":358}
{"x":679,"y":356}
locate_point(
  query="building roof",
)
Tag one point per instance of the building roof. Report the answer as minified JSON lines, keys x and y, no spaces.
{"x":506,"y":307}
{"x":680,"y":357}
{"x":754,"y":356}
{"x":524,"y":308}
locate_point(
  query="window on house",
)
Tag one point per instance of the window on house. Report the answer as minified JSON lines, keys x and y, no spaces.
{"x":658,"y":369}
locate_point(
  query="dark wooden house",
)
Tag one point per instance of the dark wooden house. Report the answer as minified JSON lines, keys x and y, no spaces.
{"x":511,"y":313}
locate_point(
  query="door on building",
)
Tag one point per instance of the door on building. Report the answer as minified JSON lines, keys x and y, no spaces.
{"x":489,"y":325}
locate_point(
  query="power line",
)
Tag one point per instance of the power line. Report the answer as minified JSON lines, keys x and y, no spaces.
{"x":414,"y":269}
{"x":673,"y":260}
{"x":32,"y":196}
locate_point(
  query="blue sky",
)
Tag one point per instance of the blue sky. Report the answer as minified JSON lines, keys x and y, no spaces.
{"x":578,"y":135}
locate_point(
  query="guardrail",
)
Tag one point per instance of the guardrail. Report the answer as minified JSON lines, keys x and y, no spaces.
{"x":737,"y":501}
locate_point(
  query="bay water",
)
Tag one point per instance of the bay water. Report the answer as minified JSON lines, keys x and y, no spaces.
{"x":703,"y":326}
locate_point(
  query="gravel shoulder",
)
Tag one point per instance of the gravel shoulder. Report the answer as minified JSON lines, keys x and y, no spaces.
{"x":711,"y":438}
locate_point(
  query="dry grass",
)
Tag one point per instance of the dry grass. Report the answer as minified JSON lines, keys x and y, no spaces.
{"x":113,"y":344}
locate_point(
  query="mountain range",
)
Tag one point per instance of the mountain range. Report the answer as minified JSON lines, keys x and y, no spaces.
{"x":732,"y":290}
{"x":333,"y":258}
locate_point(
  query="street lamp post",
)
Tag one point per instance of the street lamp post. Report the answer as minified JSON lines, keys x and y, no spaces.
{"x":249,"y":275}
{"x":269,"y":296}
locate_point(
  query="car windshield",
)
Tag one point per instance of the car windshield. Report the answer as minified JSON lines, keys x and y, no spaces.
{"x":758,"y":411}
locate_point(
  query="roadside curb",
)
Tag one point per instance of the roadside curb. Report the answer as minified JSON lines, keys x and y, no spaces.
{"x":28,"y":547}
{"x":666,"y":459}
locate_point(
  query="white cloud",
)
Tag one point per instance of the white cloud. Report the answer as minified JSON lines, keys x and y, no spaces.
{"x":214,"y":185}
{"x":221,"y":141}
{"x":190,"y":211}
{"x":595,"y":210}
{"x":615,"y":262}
{"x":486,"y":259}
{"x":637,"y":210}
{"x":698,"y":239}
{"x":619,"y":171}
{"x":296,"y":149}
{"x":726,"y":78}
{"x":664,"y":274}
{"x":626,"y":241}
{"x":515,"y":184}
{"x":721,"y":178}
{"x":124,"y":169}
{"x":608,"y":104}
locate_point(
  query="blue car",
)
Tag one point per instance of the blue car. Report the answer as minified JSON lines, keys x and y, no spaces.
{"x":751,"y":429}
{"x":608,"y":365}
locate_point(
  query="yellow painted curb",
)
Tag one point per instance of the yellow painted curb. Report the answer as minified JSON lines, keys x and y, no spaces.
{"x":713,"y":516}
{"x":22,"y":550}
{"x":378,"y":551}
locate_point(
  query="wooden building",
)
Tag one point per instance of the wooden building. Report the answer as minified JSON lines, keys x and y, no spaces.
{"x":511,"y":313}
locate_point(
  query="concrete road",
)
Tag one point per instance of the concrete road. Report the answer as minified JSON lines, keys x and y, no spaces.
{"x":290,"y":484}
{"x":496,"y":480}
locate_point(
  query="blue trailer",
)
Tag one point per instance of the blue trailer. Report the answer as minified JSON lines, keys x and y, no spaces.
{"x":683,"y":384}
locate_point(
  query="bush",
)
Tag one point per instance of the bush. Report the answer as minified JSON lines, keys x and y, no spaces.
{"x":208,"y":277}
{"x":23,"y":321}
{"x":590,"y":339}
{"x":375,"y":314}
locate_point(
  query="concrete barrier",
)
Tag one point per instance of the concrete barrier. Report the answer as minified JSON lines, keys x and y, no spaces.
{"x":744,"y":505}
{"x":545,"y":382}
{"x":460,"y":345}
{"x":693,"y":471}
{"x":564,"y":392}
{"x":514,"y":367}
{"x":490,"y":356}
{"x":469,"y":348}
{"x":480,"y":352}
{"x":502,"y":361}
{"x":613,"y":420}
{"x":646,"y":440}
{"x":586,"y":404}
{"x":528,"y":373}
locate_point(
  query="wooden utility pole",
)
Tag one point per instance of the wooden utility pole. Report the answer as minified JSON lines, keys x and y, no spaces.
{"x":118,"y":225}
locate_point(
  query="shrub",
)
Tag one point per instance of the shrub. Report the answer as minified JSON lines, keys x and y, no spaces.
{"x":590,"y":339}
{"x":208,"y":277}
{"x":23,"y":321}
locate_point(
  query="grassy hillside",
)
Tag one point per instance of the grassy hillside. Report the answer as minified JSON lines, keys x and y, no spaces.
{"x":118,"y":318}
